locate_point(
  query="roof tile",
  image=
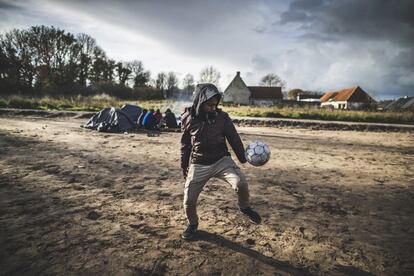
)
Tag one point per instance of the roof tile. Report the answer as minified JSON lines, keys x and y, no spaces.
{"x":265,"y":92}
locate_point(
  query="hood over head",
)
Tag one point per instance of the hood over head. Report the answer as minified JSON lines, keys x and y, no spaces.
{"x":202,"y":93}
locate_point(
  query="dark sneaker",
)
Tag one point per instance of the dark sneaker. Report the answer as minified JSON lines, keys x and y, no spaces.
{"x":253,"y":216}
{"x":189,"y":232}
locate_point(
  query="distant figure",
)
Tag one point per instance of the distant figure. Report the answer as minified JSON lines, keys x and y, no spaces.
{"x":149,"y":121}
{"x":141,"y":118}
{"x":158,"y":116}
{"x":170,"y":120}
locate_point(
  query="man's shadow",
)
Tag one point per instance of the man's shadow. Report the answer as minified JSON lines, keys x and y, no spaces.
{"x":280,"y":266}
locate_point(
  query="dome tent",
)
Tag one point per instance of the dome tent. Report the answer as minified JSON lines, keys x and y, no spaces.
{"x":114,"y":119}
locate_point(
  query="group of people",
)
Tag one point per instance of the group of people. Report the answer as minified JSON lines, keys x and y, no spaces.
{"x":153,"y":120}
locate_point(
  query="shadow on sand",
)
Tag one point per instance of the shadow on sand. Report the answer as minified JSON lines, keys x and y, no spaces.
{"x":281,"y":267}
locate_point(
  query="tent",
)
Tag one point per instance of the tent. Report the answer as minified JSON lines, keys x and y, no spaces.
{"x":133,"y":111}
{"x":115,"y":119}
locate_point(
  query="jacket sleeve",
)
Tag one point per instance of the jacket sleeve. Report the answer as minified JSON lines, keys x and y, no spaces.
{"x":186,"y":147}
{"x":234,"y":139}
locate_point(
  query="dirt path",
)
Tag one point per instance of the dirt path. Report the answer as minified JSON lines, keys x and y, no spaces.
{"x":78,"y":201}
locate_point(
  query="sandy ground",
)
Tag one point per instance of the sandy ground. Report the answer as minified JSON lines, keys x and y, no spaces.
{"x":81,"y":202}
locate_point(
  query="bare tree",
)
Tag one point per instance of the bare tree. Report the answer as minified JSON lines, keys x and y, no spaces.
{"x":124,"y":72}
{"x":172,"y":82}
{"x":15,"y":65}
{"x":273,"y":80}
{"x":102,"y":67}
{"x":210,"y":75}
{"x":87,"y":46}
{"x":188,"y":82}
{"x":39,"y":56}
{"x":140,"y":76}
{"x":161,"y":81}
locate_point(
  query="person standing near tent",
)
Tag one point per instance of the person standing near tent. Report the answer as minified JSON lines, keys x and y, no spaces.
{"x":149,"y":121}
{"x":204,"y":154}
{"x":141,"y":118}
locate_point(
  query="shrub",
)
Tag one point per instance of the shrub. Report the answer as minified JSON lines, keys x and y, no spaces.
{"x":3,"y":103}
{"x":112,"y":89}
{"x":147,"y":93}
{"x":20,"y":102}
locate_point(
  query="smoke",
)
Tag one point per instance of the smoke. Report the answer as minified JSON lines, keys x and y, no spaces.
{"x":179,"y":106}
{"x":181,"y":100}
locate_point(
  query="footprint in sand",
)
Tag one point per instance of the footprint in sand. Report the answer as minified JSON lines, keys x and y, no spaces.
{"x":93,"y":215}
{"x":52,"y":169}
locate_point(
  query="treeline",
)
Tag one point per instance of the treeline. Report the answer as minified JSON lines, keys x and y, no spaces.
{"x":49,"y":61}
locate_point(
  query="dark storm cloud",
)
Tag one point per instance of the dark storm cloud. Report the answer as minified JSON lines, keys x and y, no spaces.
{"x":8,"y":6}
{"x":366,"y":26}
{"x":374,"y":19}
{"x":193,"y":27}
{"x":313,"y":44}
{"x":179,"y":16}
{"x":294,"y":16}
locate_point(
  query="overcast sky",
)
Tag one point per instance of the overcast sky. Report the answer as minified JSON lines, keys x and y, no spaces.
{"x":319,"y":45}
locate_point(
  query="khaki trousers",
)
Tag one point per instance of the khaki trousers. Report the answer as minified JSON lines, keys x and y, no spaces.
{"x":197,"y":177}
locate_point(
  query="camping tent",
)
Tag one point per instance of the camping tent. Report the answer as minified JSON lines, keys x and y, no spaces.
{"x":133,"y":111}
{"x":115,"y":119}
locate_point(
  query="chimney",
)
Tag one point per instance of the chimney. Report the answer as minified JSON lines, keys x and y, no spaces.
{"x":238,"y":73}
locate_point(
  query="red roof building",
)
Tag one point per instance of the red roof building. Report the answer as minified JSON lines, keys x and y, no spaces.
{"x":349,"y":98}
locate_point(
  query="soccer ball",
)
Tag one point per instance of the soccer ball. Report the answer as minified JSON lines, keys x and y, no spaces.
{"x":257,"y":153}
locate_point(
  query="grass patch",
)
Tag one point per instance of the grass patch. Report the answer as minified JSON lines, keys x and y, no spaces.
{"x":83,"y":103}
{"x":322,"y":114}
{"x":98,"y":102}
{"x":3,"y":103}
{"x":21,"y":102}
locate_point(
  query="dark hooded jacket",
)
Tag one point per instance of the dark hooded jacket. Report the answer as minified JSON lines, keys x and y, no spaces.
{"x":170,"y":120}
{"x":149,"y":121}
{"x":204,"y":134}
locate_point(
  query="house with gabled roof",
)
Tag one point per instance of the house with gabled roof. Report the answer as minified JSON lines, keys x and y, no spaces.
{"x":348,"y":98}
{"x":401,"y":104}
{"x":238,"y":92}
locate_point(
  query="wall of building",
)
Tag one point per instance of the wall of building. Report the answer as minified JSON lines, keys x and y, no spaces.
{"x":261,"y":102}
{"x":336,"y":105}
{"x":344,"y":105}
{"x":352,"y":105}
{"x":237,"y":92}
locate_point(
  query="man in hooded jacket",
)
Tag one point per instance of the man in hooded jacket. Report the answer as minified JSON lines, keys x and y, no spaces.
{"x":204,"y":154}
{"x":170,"y":120}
